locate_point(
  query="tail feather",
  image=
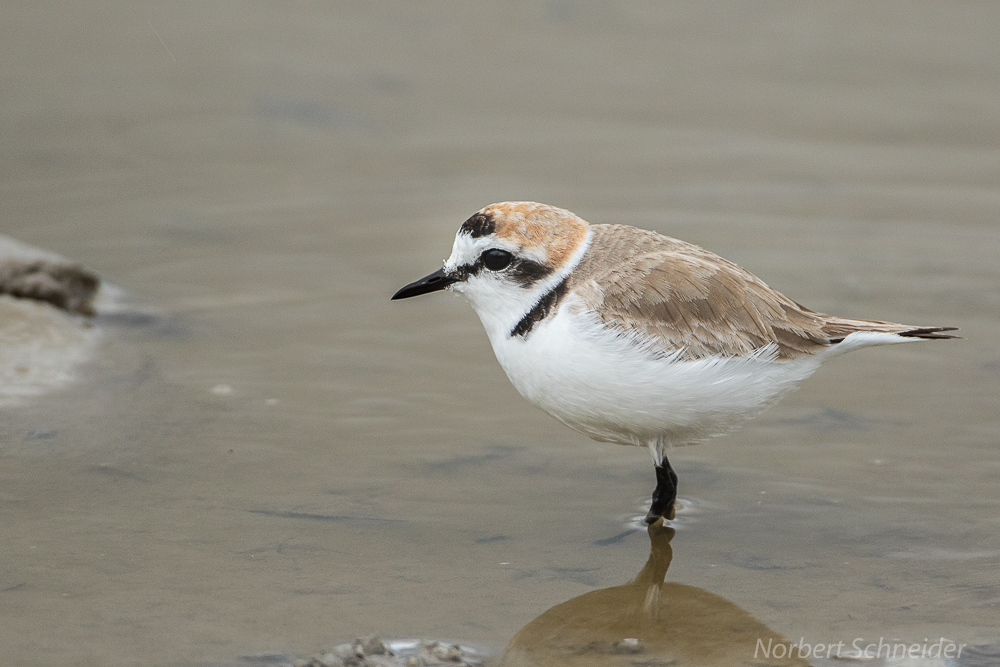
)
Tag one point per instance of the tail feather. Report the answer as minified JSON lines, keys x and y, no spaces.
{"x":929,"y":333}
{"x":840,"y":328}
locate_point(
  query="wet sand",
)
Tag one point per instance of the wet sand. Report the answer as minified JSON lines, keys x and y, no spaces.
{"x":267,"y":456}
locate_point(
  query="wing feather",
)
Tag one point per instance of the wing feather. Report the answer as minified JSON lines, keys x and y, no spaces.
{"x":681,"y":298}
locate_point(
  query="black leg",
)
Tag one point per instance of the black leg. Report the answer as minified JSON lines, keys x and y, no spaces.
{"x":665,"y":493}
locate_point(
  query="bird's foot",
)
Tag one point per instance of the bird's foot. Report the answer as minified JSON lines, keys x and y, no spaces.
{"x":665,"y":494}
{"x":656,"y":513}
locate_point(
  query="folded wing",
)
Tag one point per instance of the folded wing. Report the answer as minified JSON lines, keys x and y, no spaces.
{"x":677,"y":297}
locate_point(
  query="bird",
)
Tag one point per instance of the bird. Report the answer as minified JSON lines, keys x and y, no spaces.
{"x":635,"y":338}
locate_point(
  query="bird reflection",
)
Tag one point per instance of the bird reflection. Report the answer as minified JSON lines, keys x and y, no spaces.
{"x":645,"y":622}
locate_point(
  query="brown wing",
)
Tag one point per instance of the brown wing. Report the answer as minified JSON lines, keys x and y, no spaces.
{"x":681,"y":297}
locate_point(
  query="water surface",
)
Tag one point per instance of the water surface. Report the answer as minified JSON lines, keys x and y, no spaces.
{"x":267,"y":455}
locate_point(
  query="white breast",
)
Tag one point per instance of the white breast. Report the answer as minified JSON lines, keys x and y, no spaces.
{"x":613,"y":390}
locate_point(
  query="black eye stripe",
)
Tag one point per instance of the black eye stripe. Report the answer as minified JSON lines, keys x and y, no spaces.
{"x":527,"y":272}
{"x":524,"y":271}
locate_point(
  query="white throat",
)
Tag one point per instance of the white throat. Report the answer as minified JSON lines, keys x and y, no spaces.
{"x":501,"y":305}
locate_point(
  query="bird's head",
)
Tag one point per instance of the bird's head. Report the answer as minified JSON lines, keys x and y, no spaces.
{"x":507,"y":256}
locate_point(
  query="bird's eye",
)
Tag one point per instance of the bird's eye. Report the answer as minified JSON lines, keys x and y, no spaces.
{"x":496,"y":260}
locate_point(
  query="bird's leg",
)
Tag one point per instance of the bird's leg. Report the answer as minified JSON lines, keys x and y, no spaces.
{"x":664,"y":494}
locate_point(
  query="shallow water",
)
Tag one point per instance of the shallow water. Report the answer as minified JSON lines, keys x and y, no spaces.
{"x":267,"y":455}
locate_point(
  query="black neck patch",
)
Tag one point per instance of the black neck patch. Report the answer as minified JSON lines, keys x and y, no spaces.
{"x":479,"y":225}
{"x":545,"y":306}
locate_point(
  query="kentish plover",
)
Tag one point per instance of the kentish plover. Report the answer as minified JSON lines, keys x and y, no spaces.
{"x":636,"y":338}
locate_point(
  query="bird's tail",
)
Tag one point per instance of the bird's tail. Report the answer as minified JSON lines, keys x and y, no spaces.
{"x":863,"y":333}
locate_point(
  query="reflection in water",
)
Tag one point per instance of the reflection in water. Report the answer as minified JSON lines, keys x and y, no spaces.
{"x":674,"y":623}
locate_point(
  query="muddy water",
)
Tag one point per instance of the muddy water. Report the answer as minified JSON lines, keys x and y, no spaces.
{"x":266,"y":455}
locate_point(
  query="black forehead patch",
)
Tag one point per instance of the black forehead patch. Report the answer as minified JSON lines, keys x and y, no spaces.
{"x":479,"y":225}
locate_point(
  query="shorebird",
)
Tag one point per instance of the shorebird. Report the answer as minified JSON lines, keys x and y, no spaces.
{"x":636,"y":338}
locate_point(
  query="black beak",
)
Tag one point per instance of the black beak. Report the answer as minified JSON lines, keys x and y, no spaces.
{"x":432,"y":283}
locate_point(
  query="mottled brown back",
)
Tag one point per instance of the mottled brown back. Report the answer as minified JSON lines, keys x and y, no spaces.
{"x":679,"y":296}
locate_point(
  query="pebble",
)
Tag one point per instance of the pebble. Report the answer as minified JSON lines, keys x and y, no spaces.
{"x":372,"y":652}
{"x":629,"y":645}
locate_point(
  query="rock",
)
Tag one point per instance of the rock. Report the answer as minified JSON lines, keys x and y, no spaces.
{"x":40,"y":345}
{"x":326,"y":660}
{"x":372,"y":645}
{"x":443,"y":654}
{"x":40,"y":350}
{"x":373,"y":652}
{"x":64,"y":285}
{"x":362,"y":652}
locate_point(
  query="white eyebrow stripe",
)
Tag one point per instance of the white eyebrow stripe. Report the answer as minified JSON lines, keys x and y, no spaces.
{"x":466,"y":250}
{"x":534,"y":253}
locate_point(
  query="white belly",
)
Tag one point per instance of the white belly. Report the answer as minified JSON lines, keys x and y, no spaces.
{"x":611,"y":389}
